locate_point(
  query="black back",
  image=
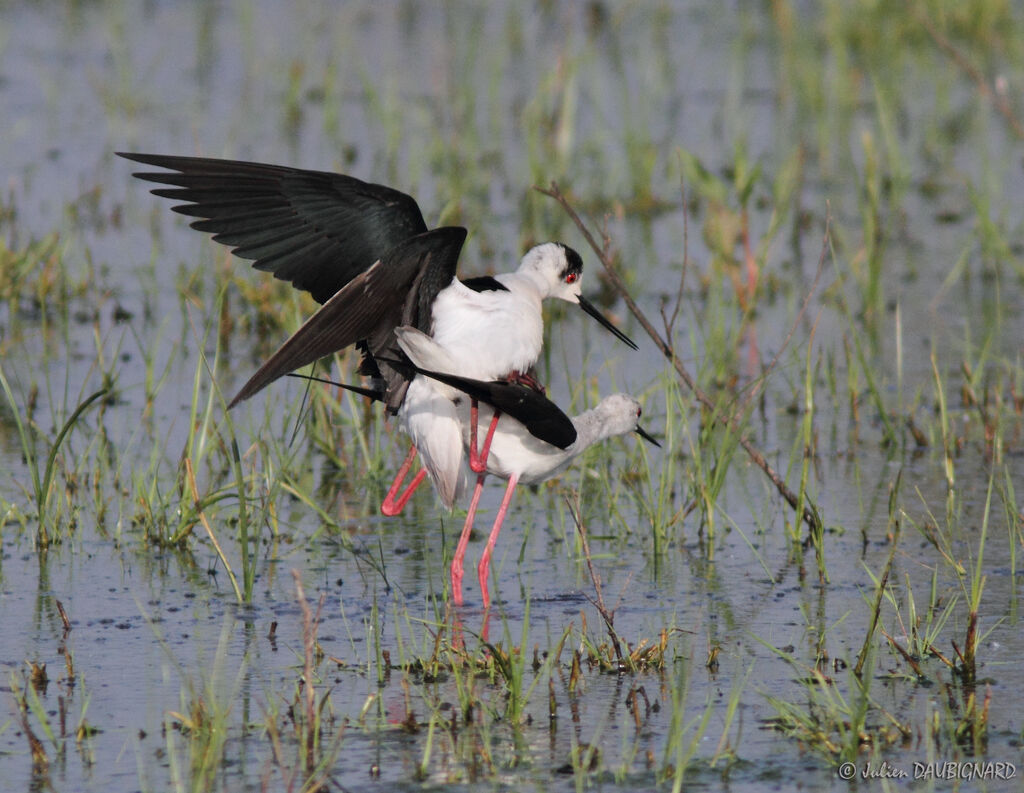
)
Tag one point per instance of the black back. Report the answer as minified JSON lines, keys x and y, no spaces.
{"x":484,"y":283}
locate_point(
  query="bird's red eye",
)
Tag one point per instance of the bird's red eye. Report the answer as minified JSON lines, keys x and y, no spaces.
{"x":572,"y":278}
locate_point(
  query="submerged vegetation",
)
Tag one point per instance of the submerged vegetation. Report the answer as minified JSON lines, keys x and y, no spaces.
{"x":808,"y":213}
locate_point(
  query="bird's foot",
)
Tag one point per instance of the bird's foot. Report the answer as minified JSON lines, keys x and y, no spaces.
{"x":394,"y":503}
{"x":525,"y":379}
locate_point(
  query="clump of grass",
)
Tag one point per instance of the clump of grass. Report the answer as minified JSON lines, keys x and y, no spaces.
{"x":688,"y":727}
{"x":43,"y":473}
{"x":307,"y":714}
{"x":198,"y":733}
{"x":474,"y":703}
{"x":617,"y":655}
{"x":26,"y":700}
{"x":36,"y":284}
{"x":838,"y":727}
{"x":216,"y":488}
{"x":843,"y":720}
{"x":968,"y":717}
{"x":807,"y":439}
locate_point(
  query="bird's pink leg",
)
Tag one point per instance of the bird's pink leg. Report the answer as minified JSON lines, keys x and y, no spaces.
{"x":478,"y":461}
{"x":485,"y":560}
{"x":391,"y":505}
{"x":460,"y":549}
{"x":485,"y":625}
{"x":455,"y":628}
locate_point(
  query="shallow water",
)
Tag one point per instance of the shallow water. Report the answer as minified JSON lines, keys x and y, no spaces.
{"x":444,"y":101}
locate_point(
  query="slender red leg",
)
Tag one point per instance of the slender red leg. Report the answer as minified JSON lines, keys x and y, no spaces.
{"x":474,"y":419}
{"x":391,"y":505}
{"x":486,"y":625}
{"x":485,"y":560}
{"x":478,"y":461}
{"x":460,"y":549}
{"x":455,"y":627}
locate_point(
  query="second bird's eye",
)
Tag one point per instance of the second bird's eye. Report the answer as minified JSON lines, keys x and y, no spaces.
{"x":571,"y":278}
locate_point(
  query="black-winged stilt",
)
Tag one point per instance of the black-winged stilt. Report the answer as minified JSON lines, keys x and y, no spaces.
{"x":365,"y":253}
{"x":532,"y":443}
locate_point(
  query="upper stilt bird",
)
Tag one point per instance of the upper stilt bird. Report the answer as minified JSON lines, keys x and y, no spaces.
{"x":365,"y":253}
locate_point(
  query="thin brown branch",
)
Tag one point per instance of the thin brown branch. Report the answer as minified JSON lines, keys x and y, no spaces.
{"x":607,"y":615}
{"x":670,"y":323}
{"x":809,"y":512}
{"x":310,"y":624}
{"x":998,"y":98}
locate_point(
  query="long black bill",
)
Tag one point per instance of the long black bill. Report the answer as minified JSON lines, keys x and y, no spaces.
{"x":587,"y":306}
{"x":646,"y":436}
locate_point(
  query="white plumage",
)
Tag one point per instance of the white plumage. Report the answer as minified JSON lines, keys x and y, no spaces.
{"x":513,"y":454}
{"x":482,"y":335}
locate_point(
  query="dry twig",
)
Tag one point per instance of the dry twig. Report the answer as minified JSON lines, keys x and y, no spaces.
{"x":810,"y":513}
{"x":608,"y":615}
{"x":998,"y":98}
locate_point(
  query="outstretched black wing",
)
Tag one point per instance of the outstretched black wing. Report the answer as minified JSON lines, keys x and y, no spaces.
{"x":399,"y":289}
{"x":314,"y":229}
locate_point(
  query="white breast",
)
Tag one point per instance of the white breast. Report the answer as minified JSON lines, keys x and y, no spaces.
{"x":488,"y":334}
{"x":514,"y":450}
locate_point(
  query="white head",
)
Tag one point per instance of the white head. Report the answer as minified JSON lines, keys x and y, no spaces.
{"x":616,"y":415}
{"x":619,"y":413}
{"x":557,"y":271}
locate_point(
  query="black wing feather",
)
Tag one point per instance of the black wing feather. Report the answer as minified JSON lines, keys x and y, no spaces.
{"x":369,"y":307}
{"x":322,"y":230}
{"x":542,"y":418}
{"x":374,"y":394}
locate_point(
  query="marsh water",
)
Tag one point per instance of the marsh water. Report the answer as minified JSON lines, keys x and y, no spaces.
{"x":467,"y":106}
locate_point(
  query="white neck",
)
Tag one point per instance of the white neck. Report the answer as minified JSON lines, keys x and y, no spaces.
{"x":528,"y":282}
